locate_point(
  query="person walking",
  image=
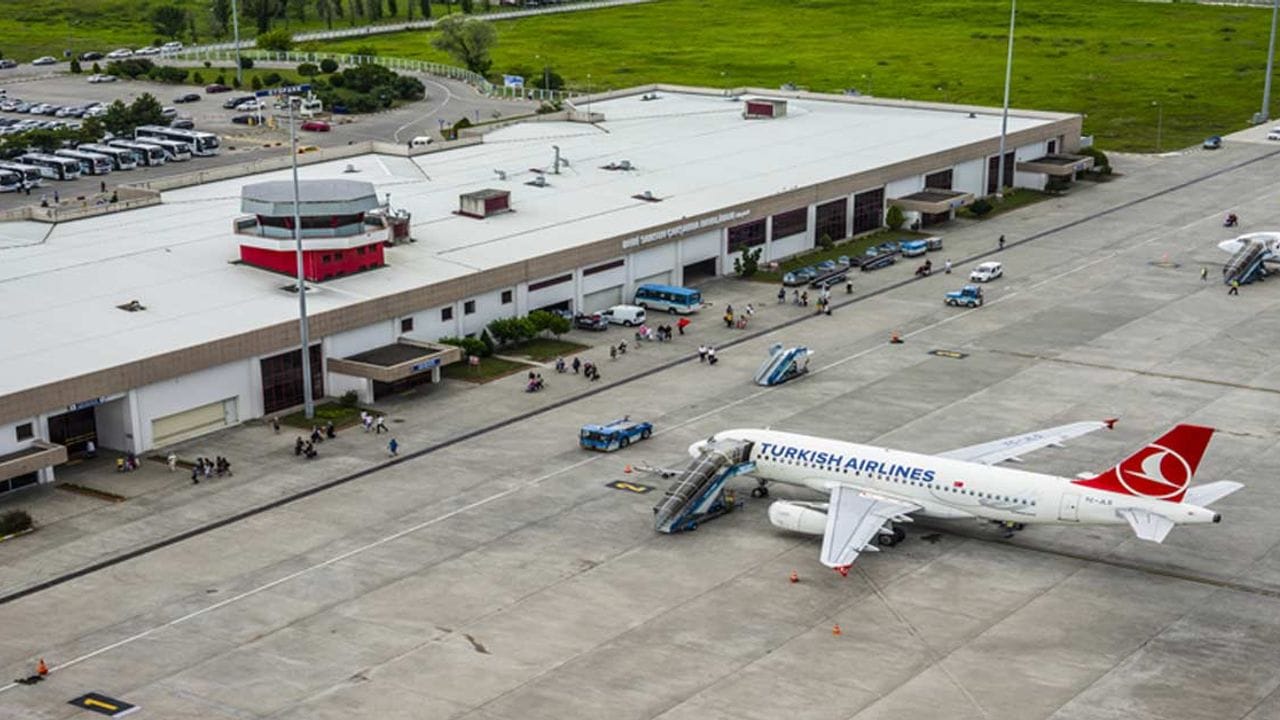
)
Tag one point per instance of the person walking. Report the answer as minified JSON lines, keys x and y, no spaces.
{"x":195,"y":474}
{"x":173,"y":462}
{"x":381,"y":425}
{"x":1204,"y":274}
{"x":683,"y":323}
{"x":394,"y":447}
{"x":702,"y":353}
{"x":782,"y":294}
{"x":946,"y":267}
{"x":613,"y":352}
{"x":1235,"y":288}
{"x":711,"y":355}
{"x":1000,"y":242}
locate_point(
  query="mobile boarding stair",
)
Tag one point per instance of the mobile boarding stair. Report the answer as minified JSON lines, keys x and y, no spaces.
{"x":698,"y":493}
{"x":783,"y":364}
{"x":1246,"y":265}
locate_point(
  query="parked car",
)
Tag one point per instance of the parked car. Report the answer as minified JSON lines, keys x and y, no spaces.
{"x":250,"y":106}
{"x":95,"y":79}
{"x":593,"y":321}
{"x":628,"y":315}
{"x":914,"y":248}
{"x":217,"y":88}
{"x":45,"y":60}
{"x":169,"y":112}
{"x":986,"y":272}
{"x":91,"y":55}
{"x":6,"y":64}
{"x":969,"y":296}
{"x":119,"y":53}
{"x":147,"y":51}
{"x":188,"y":98}
{"x":245,"y":119}
{"x":182,"y":124}
{"x":934,"y":243}
{"x":316,"y":126}
{"x":231,"y":103}
{"x":1213,"y":142}
{"x":1274,"y":134}
{"x":172,"y":46}
{"x":877,"y":261}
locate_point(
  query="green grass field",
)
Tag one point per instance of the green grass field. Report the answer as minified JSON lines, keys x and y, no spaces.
{"x":1108,"y":59}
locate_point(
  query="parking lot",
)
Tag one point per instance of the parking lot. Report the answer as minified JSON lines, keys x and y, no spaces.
{"x":497,"y":576}
{"x":447,"y":100}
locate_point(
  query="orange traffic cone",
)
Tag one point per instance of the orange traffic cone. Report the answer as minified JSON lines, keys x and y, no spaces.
{"x":795,"y":576}
{"x":835,"y":631}
{"x":627,"y":470}
{"x":41,"y":668}
{"x":895,"y":338}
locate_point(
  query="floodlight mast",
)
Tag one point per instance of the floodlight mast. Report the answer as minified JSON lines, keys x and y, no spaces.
{"x":1004,"y":118}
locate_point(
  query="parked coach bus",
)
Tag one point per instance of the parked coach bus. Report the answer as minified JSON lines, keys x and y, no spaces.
{"x":121,"y":159}
{"x":669,"y":298}
{"x":29,"y":173}
{"x":202,"y":144}
{"x":90,"y":163}
{"x":52,"y":166}
{"x":145,"y":155}
{"x":10,"y":181}
{"x":173,"y":151}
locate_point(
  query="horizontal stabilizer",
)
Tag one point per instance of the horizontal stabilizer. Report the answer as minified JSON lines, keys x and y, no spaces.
{"x":1209,"y":493}
{"x":1147,"y":525}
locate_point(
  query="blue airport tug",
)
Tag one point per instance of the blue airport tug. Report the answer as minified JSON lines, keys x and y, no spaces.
{"x":615,"y":435}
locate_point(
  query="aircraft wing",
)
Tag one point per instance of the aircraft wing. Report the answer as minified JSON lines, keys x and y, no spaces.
{"x":1012,"y":448}
{"x":853,"y":519}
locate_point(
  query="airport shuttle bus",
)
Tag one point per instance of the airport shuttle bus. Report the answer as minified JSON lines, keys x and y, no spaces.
{"x":668,"y":298}
{"x":10,"y":181}
{"x":146,"y":155}
{"x":52,"y":166}
{"x":202,"y":144}
{"x":173,"y":151}
{"x":121,"y":159}
{"x":90,"y":163}
{"x":30,"y":174}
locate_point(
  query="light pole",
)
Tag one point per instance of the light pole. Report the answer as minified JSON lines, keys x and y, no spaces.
{"x":588,"y":97}
{"x":1004,"y":117}
{"x":235,"y":31}
{"x":867,"y":77}
{"x":1159,"y":123}
{"x":1271,"y":56}
{"x":308,"y":402}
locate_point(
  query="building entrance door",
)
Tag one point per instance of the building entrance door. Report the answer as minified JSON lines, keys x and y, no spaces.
{"x":74,"y":429}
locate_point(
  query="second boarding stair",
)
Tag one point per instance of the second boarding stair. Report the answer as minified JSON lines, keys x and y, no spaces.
{"x":1246,"y":265}
{"x":784,"y":363}
{"x":698,"y":492}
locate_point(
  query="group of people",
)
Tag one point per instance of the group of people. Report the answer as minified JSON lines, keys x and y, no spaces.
{"x":376,"y":424}
{"x":741,"y":321}
{"x":534,"y":383}
{"x":206,"y":468}
{"x":587,"y":368}
{"x":128,"y":463}
{"x":305,"y":448}
{"x":318,"y":436}
{"x":707,"y":354}
{"x":616,"y":350}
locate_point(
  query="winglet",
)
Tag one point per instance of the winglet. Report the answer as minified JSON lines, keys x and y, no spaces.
{"x":1110,"y":423}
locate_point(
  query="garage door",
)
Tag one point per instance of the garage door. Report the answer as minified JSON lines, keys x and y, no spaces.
{"x":662,"y":278}
{"x":602,"y":300}
{"x":191,"y":423}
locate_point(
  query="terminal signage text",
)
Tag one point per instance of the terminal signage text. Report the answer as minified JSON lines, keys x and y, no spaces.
{"x":685,"y":228}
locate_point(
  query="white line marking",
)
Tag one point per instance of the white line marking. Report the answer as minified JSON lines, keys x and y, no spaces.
{"x":448,"y":95}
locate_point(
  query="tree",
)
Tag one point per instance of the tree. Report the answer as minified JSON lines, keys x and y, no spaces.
{"x":548,"y":80}
{"x":299,"y":8}
{"x":324,"y":8}
{"x":169,"y":20}
{"x":146,"y":110}
{"x":425,"y":7}
{"x":91,"y":130}
{"x":246,"y":63}
{"x":894,"y":217}
{"x":255,"y":82}
{"x":468,"y":6}
{"x":328,"y":66}
{"x":75,"y":66}
{"x":749,"y":262}
{"x":308,"y":70}
{"x":278,"y":40}
{"x":96,"y":69}
{"x":393,"y":9}
{"x":220,"y":12}
{"x":468,"y":40}
{"x":117,"y":119}
{"x":375,"y":9}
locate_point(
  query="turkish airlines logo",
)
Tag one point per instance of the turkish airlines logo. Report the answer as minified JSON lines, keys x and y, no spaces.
{"x":1155,"y":472}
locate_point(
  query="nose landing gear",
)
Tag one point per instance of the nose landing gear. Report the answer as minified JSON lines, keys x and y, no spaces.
{"x":760,"y":490}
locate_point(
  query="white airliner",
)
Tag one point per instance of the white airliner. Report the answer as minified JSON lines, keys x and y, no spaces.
{"x":870,"y":488}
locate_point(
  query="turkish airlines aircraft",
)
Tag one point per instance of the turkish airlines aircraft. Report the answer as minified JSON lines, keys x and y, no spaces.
{"x":870,"y":488}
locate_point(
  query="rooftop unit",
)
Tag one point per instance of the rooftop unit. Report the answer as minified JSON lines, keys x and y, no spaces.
{"x":763,"y":109}
{"x":484,"y":203}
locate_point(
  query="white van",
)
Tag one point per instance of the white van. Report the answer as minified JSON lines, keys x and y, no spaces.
{"x":628,"y":315}
{"x":420,"y":141}
{"x":986,"y":272}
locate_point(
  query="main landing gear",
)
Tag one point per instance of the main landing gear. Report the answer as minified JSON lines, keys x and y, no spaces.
{"x":1008,"y":528}
{"x":760,"y":490}
{"x":891,"y":538}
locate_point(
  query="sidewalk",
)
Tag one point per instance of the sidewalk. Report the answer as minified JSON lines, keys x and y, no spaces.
{"x":76,"y":530}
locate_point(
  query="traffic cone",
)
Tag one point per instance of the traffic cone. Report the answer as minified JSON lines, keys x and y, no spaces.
{"x":41,"y":668}
{"x":895,"y":338}
{"x":795,"y":576}
{"x":627,"y":470}
{"x":835,"y":630}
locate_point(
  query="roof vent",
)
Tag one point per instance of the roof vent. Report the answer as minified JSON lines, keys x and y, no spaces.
{"x":132,"y":306}
{"x":501,"y":175}
{"x":538,"y":181}
{"x":764,"y":109}
{"x":619,"y":165}
{"x":350,"y":169}
{"x":647,"y":196}
{"x":484,"y":203}
{"x":649,"y":96}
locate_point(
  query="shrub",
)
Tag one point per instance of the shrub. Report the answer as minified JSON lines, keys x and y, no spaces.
{"x":337,"y":80}
{"x":748,"y":263}
{"x":308,"y":70}
{"x":278,"y":40}
{"x":271,"y":78}
{"x":328,"y":66}
{"x":544,"y":321}
{"x":981,"y":207}
{"x":462,"y":124}
{"x":96,"y":69}
{"x":208,"y":64}
{"x":197,"y":78}
{"x":14,"y":521}
{"x":487,"y":339}
{"x":825,"y":242}
{"x":221,"y":79}
{"x":246,"y":63}
{"x":350,"y":398}
{"x":256,"y":83}
{"x":470,"y":346}
{"x":894,"y":217}
{"x":1099,"y":158}
{"x":75,"y":66}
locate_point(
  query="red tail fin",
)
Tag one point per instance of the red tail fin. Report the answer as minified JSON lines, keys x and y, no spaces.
{"x":1162,"y":470}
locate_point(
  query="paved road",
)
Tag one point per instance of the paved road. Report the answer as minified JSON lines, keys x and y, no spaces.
{"x":498,"y":578}
{"x":447,"y":100}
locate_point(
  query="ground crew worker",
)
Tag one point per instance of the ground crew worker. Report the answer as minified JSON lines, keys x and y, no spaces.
{"x":1204,"y":274}
{"x":1235,"y":288}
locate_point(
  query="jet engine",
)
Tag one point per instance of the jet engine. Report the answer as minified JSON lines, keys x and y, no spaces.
{"x":801,"y":517}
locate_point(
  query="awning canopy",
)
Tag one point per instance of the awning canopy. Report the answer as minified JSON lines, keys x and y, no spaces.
{"x":37,"y":456}
{"x":398,"y":361}
{"x":1059,"y":165}
{"x":932,"y":201}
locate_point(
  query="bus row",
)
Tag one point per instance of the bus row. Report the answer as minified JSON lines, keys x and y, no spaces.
{"x":151,"y":145}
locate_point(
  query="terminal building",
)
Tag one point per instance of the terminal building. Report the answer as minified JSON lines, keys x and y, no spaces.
{"x":139,"y":329}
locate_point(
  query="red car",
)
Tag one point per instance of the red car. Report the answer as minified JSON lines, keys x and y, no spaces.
{"x":216,"y":88}
{"x":316,"y":126}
